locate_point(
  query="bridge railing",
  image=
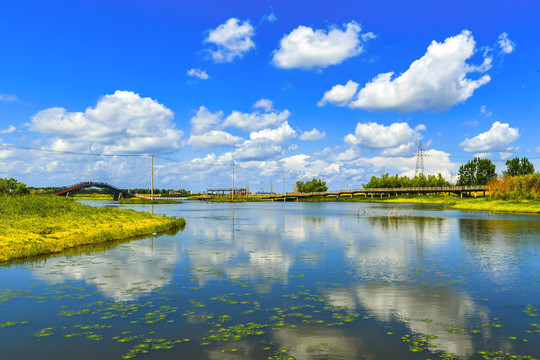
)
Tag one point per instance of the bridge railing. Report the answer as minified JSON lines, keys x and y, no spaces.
{"x":386,"y":190}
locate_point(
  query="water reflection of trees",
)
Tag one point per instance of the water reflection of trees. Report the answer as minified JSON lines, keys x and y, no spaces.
{"x":499,"y":246}
{"x":479,"y":232}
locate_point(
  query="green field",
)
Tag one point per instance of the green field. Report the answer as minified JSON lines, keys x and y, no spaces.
{"x":43,"y":224}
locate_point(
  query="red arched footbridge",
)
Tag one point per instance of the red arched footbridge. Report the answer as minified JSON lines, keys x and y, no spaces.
{"x":112,"y":190}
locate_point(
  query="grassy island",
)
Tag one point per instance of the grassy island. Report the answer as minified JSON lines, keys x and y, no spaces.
{"x":36,"y":225}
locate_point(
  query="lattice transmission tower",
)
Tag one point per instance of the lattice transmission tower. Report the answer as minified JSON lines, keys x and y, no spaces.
{"x":419,"y":159}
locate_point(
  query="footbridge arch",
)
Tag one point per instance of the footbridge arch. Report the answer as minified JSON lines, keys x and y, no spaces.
{"x":112,"y":190}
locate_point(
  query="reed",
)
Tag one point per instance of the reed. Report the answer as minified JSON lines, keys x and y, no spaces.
{"x":520,"y":187}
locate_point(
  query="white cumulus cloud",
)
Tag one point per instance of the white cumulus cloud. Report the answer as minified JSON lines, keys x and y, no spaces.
{"x":205,"y":120}
{"x":507,"y":46}
{"x":265,"y":104}
{"x":198,"y":73}
{"x":312,"y":135}
{"x":340,"y":95}
{"x":376,"y":136}
{"x":495,"y":139}
{"x":279,"y":135}
{"x":232,"y":39}
{"x":213,"y":138}
{"x":407,"y":149}
{"x":257,"y":150}
{"x":306,"y":48}
{"x":255,"y":120}
{"x":119,"y":123}
{"x":436,"y":81}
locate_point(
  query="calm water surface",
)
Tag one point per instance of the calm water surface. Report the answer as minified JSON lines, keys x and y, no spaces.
{"x":309,"y":280}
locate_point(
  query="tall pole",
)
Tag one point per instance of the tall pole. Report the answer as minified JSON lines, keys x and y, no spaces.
{"x":283,"y":182}
{"x":152,"y":189}
{"x":323,"y":178}
{"x":232,"y":192}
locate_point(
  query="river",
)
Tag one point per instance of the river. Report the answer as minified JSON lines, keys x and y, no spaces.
{"x":285,"y":280}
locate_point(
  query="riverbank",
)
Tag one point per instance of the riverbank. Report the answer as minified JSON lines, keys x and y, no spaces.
{"x":453,"y":201}
{"x":36,"y":225}
{"x":136,"y":200}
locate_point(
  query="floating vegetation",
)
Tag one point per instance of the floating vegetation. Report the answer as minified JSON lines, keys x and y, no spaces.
{"x":159,"y":315}
{"x":12,"y":323}
{"x":44,"y":332}
{"x":418,"y":342}
{"x":9,"y":294}
{"x":281,"y":354}
{"x":501,"y":355}
{"x":531,"y":311}
{"x":235,"y":332}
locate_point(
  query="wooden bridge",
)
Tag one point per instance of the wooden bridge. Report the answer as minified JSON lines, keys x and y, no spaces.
{"x":376,"y":192}
{"x":71,"y":190}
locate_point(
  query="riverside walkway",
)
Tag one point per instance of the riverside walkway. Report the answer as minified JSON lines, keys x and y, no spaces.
{"x":462,"y":191}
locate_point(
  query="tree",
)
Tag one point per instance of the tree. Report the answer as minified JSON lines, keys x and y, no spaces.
{"x":516,"y":167}
{"x":311,"y":186}
{"x":476,"y":172}
{"x":12,"y":187}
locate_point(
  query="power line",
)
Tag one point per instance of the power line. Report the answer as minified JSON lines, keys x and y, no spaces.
{"x":70,"y":152}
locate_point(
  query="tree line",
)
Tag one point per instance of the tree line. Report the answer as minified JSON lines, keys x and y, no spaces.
{"x":12,"y":187}
{"x":475,"y":172}
{"x":387,"y":181}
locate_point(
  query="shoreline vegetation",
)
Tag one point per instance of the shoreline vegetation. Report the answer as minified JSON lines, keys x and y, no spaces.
{"x":489,"y":204}
{"x":43,"y":224}
{"x":137,"y":200}
{"x":133,"y":200}
{"x":509,"y":194}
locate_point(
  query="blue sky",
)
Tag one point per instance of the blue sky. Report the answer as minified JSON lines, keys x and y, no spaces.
{"x":343,"y":90}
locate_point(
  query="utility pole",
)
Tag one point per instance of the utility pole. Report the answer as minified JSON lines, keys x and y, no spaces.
{"x":152,"y":189}
{"x":323,"y":178}
{"x":232,"y":192}
{"x":283,"y":182}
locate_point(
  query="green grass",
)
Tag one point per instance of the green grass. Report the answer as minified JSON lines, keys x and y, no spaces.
{"x":455,"y":202}
{"x":43,"y":224}
{"x":238,"y":198}
{"x":136,"y":200}
{"x":93,"y":197}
